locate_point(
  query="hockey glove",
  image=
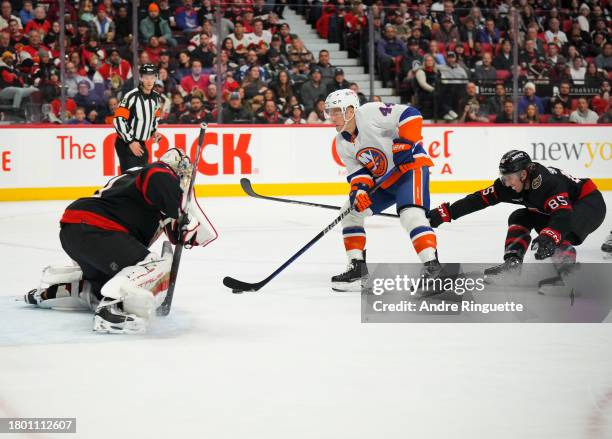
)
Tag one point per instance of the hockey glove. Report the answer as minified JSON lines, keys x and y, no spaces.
{"x":403,"y":154}
{"x":359,"y":197}
{"x":196,"y":230}
{"x":439,"y":215}
{"x":546,"y":243}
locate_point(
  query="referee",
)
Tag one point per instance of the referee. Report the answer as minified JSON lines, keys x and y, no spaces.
{"x":136,"y":120}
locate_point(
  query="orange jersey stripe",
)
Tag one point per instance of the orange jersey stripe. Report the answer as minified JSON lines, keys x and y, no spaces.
{"x":367,"y":180}
{"x":412,"y":130}
{"x":354,"y":242}
{"x":425,"y":242}
{"x":417,"y":186}
{"x":419,"y":162}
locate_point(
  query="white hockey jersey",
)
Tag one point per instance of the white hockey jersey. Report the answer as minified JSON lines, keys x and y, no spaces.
{"x":369,"y":150}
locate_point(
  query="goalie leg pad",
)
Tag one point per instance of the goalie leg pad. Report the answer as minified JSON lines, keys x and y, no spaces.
{"x":141,"y":287}
{"x":62,"y":287}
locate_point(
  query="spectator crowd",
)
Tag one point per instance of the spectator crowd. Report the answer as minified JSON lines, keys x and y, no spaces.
{"x":453,"y":60}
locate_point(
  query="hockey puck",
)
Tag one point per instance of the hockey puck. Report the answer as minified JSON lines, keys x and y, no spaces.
{"x":237,"y":291}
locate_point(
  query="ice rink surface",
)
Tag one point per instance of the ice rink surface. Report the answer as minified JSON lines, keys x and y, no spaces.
{"x":294,"y":361}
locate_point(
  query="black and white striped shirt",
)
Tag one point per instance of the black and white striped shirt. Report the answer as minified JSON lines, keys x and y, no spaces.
{"x":137,"y":116}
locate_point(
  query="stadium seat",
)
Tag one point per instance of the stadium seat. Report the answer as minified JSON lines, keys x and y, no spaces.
{"x":502,"y":75}
{"x":574,"y":104}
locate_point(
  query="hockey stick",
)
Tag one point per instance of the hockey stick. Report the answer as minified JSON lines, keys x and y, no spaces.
{"x":238,"y":286}
{"x":248,"y":189}
{"x":164,"y":308}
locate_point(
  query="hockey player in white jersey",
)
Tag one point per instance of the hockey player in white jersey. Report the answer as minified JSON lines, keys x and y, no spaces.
{"x":372,"y":140}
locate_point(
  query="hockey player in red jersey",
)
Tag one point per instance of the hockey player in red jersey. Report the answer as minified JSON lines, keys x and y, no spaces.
{"x":563,"y":210}
{"x":109,"y":234}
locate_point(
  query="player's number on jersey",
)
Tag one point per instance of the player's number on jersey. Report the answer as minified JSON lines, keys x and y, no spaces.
{"x":386,"y":110}
{"x":488,"y":190}
{"x":557,"y":202}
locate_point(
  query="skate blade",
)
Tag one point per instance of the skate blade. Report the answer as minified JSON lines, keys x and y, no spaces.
{"x":506,"y":279}
{"x":104,"y":327}
{"x":347,"y":287}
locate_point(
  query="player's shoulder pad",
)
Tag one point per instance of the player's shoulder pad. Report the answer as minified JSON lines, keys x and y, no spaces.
{"x":502,"y":192}
{"x":409,"y":113}
{"x":364,"y":109}
{"x":544,"y":179}
{"x":159,"y":170}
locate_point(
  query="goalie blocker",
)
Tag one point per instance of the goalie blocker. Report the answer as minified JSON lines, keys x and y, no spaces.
{"x":109,"y":234}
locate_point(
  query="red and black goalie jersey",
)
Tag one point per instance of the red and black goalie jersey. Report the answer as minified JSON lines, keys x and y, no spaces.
{"x":133,"y":203}
{"x":551,"y":191}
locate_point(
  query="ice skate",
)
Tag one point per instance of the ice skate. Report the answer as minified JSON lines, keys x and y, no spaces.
{"x":110,"y":318}
{"x":510,"y":267}
{"x":351,"y":280}
{"x":606,"y":247}
{"x":431,"y":269}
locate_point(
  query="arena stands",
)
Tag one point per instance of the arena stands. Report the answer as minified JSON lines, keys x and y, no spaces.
{"x":269,"y":62}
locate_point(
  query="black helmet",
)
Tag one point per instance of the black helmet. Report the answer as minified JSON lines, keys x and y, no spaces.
{"x":514,"y":161}
{"x":148,"y":69}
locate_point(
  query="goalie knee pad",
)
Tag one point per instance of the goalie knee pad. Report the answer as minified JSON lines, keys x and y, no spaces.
{"x":423,"y":238}
{"x":141,"y":287}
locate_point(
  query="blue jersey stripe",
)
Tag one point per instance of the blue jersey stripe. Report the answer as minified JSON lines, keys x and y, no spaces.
{"x":409,"y":112}
{"x":420,"y":229}
{"x":362,"y":171}
{"x":347,"y":230}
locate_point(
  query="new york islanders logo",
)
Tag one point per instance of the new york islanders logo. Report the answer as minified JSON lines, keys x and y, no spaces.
{"x":374,"y":160}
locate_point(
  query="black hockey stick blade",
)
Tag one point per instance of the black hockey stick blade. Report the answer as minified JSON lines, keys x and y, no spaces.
{"x":238,"y":286}
{"x":247,"y":187}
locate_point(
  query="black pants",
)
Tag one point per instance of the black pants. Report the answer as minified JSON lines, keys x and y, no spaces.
{"x":100,"y":253}
{"x":586,"y":216}
{"x":127,"y":159}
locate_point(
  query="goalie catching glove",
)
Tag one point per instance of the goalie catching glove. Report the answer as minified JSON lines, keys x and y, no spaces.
{"x":192,"y":228}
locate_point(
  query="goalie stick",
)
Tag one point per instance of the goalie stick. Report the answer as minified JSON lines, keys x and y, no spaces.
{"x":164,"y":308}
{"x":238,"y":286}
{"x":247,"y":187}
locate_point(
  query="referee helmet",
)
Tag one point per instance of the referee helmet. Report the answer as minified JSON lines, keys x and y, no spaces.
{"x":148,"y":69}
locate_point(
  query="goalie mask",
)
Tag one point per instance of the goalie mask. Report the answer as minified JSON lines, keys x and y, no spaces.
{"x":180,"y":164}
